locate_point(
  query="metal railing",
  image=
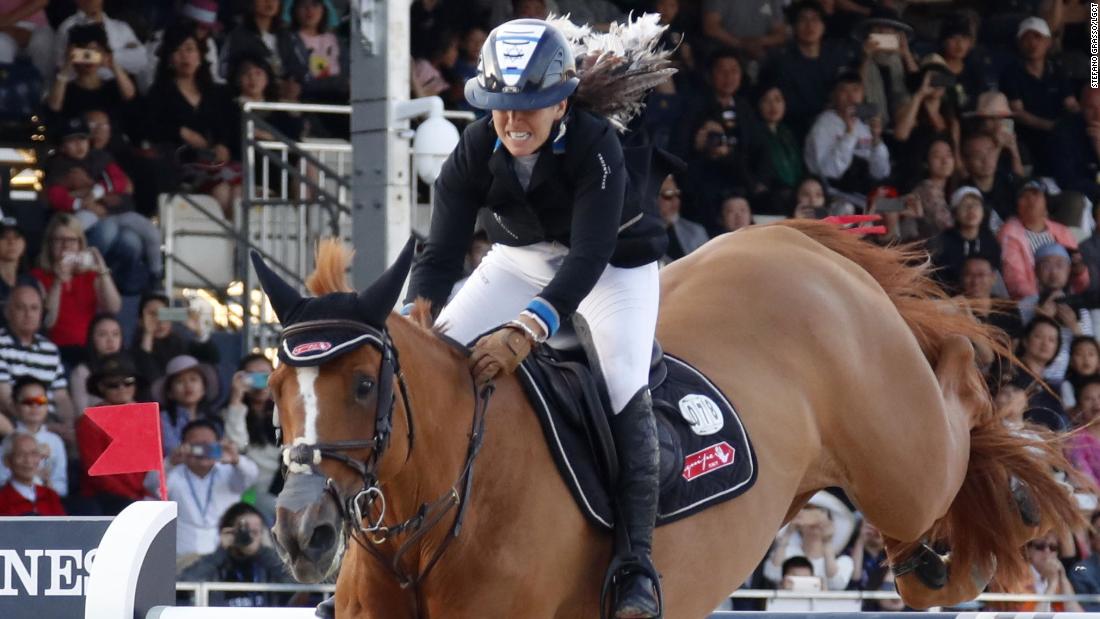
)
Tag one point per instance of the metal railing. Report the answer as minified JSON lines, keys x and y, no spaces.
{"x":295,"y":193}
{"x":779,"y":594}
{"x":202,"y":591}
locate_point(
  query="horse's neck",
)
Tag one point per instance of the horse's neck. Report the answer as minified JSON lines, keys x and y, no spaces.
{"x":443,"y":402}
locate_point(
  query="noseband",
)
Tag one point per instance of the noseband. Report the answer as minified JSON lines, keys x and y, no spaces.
{"x":305,"y":457}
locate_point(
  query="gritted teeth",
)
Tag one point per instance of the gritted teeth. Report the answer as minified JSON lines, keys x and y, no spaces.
{"x":519,"y":135}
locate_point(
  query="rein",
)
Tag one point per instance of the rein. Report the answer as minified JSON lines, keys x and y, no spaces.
{"x":354,"y":510}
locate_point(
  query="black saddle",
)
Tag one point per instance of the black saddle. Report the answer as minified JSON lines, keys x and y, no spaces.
{"x":706,"y":455}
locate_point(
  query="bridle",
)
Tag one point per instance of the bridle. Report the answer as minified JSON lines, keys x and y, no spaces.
{"x":303,"y":456}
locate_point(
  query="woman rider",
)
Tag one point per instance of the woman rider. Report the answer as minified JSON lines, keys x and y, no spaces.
{"x":549,"y":181}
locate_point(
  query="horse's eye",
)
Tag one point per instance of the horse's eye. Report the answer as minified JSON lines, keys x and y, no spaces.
{"x":363,"y":389}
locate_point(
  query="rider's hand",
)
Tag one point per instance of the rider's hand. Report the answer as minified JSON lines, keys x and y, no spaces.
{"x":501,"y":350}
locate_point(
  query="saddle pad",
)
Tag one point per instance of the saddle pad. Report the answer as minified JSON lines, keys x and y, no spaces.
{"x":706,"y":454}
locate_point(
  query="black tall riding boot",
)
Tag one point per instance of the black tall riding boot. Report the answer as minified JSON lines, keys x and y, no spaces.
{"x":635,"y":433}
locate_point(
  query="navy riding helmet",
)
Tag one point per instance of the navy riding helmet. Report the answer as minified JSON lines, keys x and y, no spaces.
{"x":525,"y":64}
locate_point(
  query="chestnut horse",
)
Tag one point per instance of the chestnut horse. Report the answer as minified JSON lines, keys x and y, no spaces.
{"x":849,"y":369}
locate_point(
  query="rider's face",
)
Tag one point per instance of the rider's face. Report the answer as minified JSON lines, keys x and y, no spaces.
{"x":523,"y":132}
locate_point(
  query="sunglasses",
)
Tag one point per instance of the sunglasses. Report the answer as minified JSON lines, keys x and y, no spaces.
{"x":668,"y":194}
{"x":119,"y":384}
{"x":35,"y":401}
{"x":1042,"y":546}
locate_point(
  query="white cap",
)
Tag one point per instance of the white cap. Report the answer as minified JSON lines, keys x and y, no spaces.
{"x":964,"y":191}
{"x":1036,"y":24}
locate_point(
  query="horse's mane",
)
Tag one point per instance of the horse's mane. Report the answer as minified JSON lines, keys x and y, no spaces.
{"x":331,"y":273}
{"x":979,"y":522}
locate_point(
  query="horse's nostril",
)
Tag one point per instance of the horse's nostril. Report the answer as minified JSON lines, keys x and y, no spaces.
{"x":322,"y":539}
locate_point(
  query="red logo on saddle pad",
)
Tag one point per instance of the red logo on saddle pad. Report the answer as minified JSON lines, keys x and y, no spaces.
{"x":711,"y":459}
{"x":302,"y":349}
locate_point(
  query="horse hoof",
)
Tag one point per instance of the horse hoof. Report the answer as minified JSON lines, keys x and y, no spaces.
{"x":327,"y":609}
{"x":928,"y":566}
{"x":637,"y":599}
{"x":1025,"y":504}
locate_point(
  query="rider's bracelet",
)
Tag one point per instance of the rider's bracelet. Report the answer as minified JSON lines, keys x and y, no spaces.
{"x":519,"y":324}
{"x":538,"y":321}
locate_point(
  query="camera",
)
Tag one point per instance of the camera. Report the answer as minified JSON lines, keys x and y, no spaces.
{"x":940,"y":79}
{"x":716,"y":140}
{"x":83,"y":55}
{"x":1088,"y":300}
{"x":866,"y":111}
{"x":242,"y":536}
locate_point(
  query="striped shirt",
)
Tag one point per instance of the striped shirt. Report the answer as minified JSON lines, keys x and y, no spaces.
{"x":1038,"y":239}
{"x":41,"y":360}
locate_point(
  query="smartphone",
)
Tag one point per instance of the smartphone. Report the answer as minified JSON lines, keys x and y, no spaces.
{"x":81,"y":55}
{"x":83,"y":260}
{"x":940,"y":79}
{"x":258,"y":380}
{"x":1008,"y":125}
{"x":866,"y":111}
{"x":886,"y":42}
{"x":210,"y":450}
{"x":889,"y":205}
{"x":804,"y":583}
{"x":173,"y":314}
{"x":716,"y":139}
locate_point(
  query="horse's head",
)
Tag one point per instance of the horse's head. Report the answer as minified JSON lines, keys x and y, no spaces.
{"x":335,"y":400}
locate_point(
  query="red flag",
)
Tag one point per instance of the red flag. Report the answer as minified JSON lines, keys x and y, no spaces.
{"x":135,"y":445}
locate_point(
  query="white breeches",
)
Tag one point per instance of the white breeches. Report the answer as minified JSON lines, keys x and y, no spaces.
{"x":621,"y":310}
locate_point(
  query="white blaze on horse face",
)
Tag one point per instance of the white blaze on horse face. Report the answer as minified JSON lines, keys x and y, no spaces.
{"x":306,"y":378}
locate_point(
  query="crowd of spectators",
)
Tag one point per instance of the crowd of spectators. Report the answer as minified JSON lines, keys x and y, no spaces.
{"x":968,"y":126}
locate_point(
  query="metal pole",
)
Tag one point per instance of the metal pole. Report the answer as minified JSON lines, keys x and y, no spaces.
{"x":381,"y":208}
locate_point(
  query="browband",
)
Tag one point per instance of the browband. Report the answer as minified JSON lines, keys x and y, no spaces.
{"x":312,"y":325}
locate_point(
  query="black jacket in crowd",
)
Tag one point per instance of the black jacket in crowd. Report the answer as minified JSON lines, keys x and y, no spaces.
{"x":585,"y":193}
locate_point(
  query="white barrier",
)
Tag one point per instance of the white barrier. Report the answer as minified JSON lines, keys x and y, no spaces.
{"x":173,"y":612}
{"x":121,"y":562}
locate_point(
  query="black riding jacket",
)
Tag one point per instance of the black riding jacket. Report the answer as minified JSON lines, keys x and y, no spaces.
{"x":579,"y":195}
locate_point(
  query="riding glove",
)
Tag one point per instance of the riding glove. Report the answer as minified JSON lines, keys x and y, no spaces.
{"x":503,"y":349}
